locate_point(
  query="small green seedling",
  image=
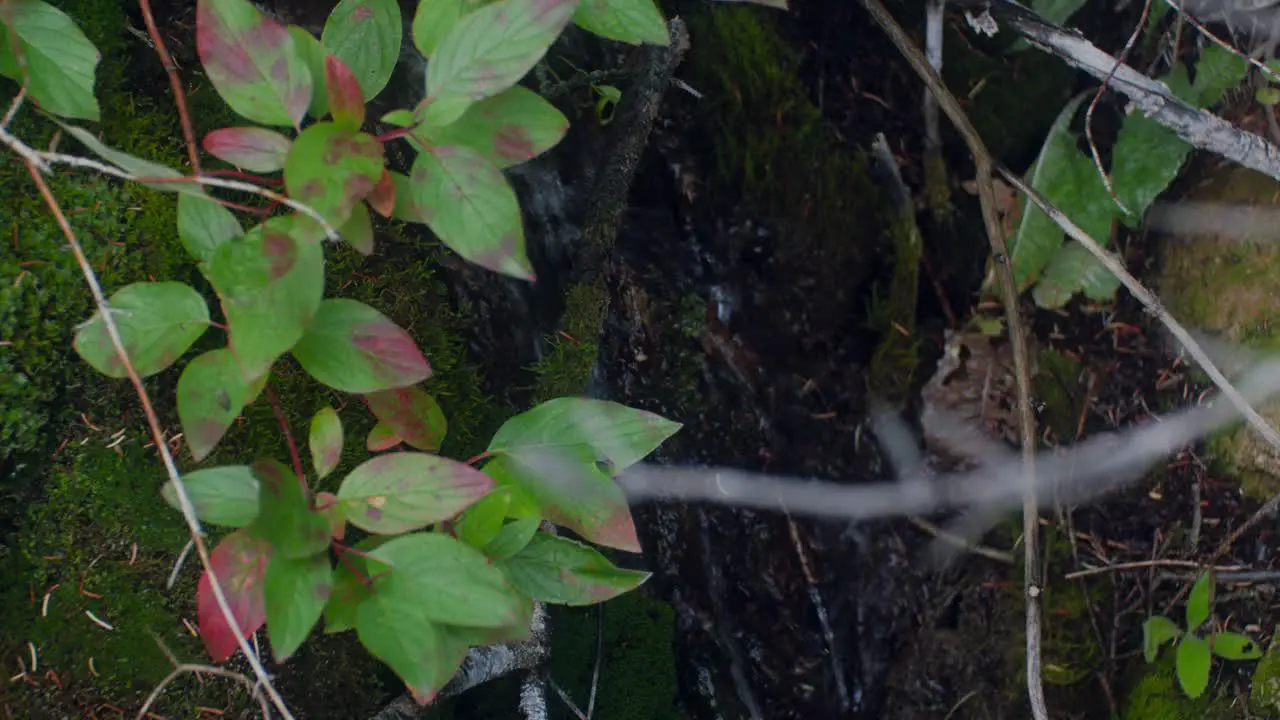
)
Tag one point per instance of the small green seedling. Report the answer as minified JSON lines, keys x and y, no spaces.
{"x":1195,"y":653}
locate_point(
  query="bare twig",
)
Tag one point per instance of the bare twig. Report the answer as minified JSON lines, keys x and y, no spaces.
{"x":984,"y":165}
{"x":197,"y":669}
{"x":1088,"y":114}
{"x":962,"y":542}
{"x":1141,"y":564}
{"x":179,"y":96}
{"x":595,"y":671}
{"x":1200,"y":27}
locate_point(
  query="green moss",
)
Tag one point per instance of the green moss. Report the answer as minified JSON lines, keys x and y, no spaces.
{"x":565,"y":368}
{"x":892,"y":371}
{"x":1154,"y":694}
{"x":1056,"y":387}
{"x":1264,"y":693}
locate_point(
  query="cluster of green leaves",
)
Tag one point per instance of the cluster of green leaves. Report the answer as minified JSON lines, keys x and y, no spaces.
{"x":1146,"y":158}
{"x":1194,"y":652}
{"x":454,"y":554}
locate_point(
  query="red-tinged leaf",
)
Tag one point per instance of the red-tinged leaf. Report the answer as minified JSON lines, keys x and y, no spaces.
{"x":353,"y":348}
{"x":203,"y":225}
{"x":383,"y":196}
{"x":382,"y":437}
{"x":252,"y":62}
{"x":226,"y":495}
{"x":399,"y":492}
{"x":629,"y":21}
{"x":560,"y":571}
{"x":507,"y":129}
{"x":469,"y":205}
{"x":346,"y":100}
{"x":366,"y":34}
{"x":285,"y":516}
{"x":251,"y":148}
{"x":240,"y":562}
{"x":325,"y":441}
{"x":313,"y":54}
{"x":157,"y":322}
{"x":327,"y":503}
{"x":331,"y":168}
{"x":488,"y":50}
{"x":211,"y":393}
{"x":454,"y":584}
{"x":270,"y":282}
{"x":296,"y":592}
{"x":411,"y":415}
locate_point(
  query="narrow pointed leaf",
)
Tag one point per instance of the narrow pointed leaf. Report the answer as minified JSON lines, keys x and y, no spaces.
{"x":469,"y":205}
{"x":203,"y":225}
{"x":507,"y":129}
{"x":399,"y":492}
{"x":226,"y":495}
{"x":351,"y":347}
{"x":251,"y":148}
{"x":512,"y":538}
{"x":1199,"y":602}
{"x":1157,"y":631}
{"x":556,"y":570}
{"x":270,"y":283}
{"x":61,"y":61}
{"x":346,"y":101}
{"x":240,"y":561}
{"x":366,"y":35}
{"x":134,"y":165}
{"x":157,"y":323}
{"x":452,"y":583}
{"x":325,"y":441}
{"x":1234,"y":646}
{"x":1192,"y":665}
{"x":285,"y":517}
{"x":433,"y":20}
{"x":313,"y":54}
{"x":382,"y":199}
{"x":358,"y":231}
{"x":331,"y":168}
{"x":295,"y":592}
{"x":411,"y":415}
{"x":381,"y":437}
{"x":488,"y":50}
{"x":629,"y":21}
{"x":211,"y":393}
{"x":252,"y":62}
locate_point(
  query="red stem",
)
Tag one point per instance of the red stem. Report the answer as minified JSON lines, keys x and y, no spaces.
{"x":288,"y":436}
{"x":478,"y":458}
{"x":393,"y":134}
{"x":179,"y":96}
{"x":342,"y":551}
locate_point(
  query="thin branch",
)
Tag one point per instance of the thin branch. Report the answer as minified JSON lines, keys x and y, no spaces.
{"x":288,"y":437}
{"x":595,"y":671}
{"x":179,"y":97}
{"x":984,"y":165}
{"x":1143,"y":564}
{"x":1088,"y":114}
{"x":1200,"y":27}
{"x":197,"y":669}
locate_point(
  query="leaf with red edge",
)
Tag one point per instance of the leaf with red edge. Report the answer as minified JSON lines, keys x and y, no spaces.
{"x":211,"y":393}
{"x":353,"y":348}
{"x":240,"y":562}
{"x":285,"y":516}
{"x":325,"y":441}
{"x":331,"y":168}
{"x":327,"y":503}
{"x":382,"y":437}
{"x":488,"y":50}
{"x":252,"y":62}
{"x":410,"y":414}
{"x":468,"y":204}
{"x":383,"y":196}
{"x":507,"y":129}
{"x":560,"y":571}
{"x":270,"y":282}
{"x":367,"y":35}
{"x":251,"y":148}
{"x":346,"y":101}
{"x":295,"y":592}
{"x":358,"y":231}
{"x":399,"y":492}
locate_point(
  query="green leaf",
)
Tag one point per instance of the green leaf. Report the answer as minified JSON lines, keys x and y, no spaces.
{"x":452,"y":584}
{"x":226,"y":495}
{"x":565,"y":452}
{"x":399,"y":631}
{"x":1199,"y":602}
{"x":1072,"y":270}
{"x":211,"y":393}
{"x":325,"y":441}
{"x":401,"y":117}
{"x":349,"y":589}
{"x":482,"y":522}
{"x":157,"y":323}
{"x":405,"y":207}
{"x":296,"y":592}
{"x":351,"y":347}
{"x":366,"y":35}
{"x":512,"y":538}
{"x":1082,"y":196}
{"x":1146,"y":158}
{"x":381,"y":437}
{"x":1192,"y":665}
{"x":1157,"y":631}
{"x":506,"y":129}
{"x":1217,"y":71}
{"x":433,"y":20}
{"x":60,"y":60}
{"x":556,"y":570}
{"x":327,"y":504}
{"x":203,"y":225}
{"x":285,"y":518}
{"x":252,"y":148}
{"x":358,"y":231}
{"x":629,"y":21}
{"x":345,"y":99}
{"x":332,"y":168}
{"x":240,"y":561}
{"x":133,"y":165}
{"x":313,"y":54}
{"x":251,"y":61}
{"x":469,"y":205}
{"x":270,"y":282}
{"x":488,"y":50}
{"x":399,"y":492}
{"x":1235,"y":646}
{"x":1269,"y":95}
{"x":411,"y":415}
